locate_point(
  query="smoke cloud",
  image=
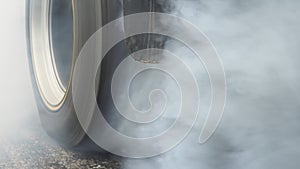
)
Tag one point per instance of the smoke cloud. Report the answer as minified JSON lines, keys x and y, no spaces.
{"x":258,"y":44}
{"x":16,"y":99}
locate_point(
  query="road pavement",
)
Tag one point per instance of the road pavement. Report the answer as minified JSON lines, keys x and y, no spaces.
{"x":27,"y":146}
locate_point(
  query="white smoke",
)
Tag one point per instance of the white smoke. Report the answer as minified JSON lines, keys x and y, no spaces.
{"x":258,"y":42}
{"x":16,"y":96}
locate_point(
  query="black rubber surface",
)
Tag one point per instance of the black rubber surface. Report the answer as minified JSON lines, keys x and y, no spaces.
{"x":63,"y":124}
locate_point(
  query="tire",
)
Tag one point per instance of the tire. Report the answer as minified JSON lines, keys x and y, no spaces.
{"x":56,"y":109}
{"x":52,"y":53}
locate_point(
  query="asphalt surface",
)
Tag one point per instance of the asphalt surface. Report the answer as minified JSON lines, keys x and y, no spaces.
{"x":27,"y":146}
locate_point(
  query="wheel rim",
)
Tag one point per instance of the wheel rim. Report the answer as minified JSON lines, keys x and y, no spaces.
{"x":51,"y":42}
